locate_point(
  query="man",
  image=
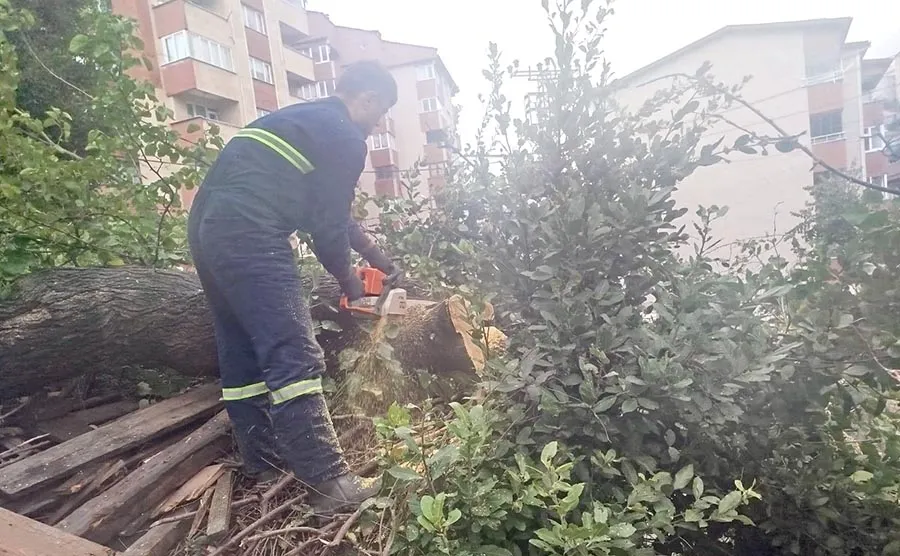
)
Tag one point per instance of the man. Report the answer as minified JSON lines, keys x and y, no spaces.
{"x":294,"y":169}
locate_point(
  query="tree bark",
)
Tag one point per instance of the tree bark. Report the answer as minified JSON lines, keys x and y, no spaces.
{"x":63,"y":323}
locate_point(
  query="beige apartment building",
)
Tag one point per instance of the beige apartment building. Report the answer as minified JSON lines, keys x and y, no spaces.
{"x":231,"y":61}
{"x":419,"y":130}
{"x":807,"y":78}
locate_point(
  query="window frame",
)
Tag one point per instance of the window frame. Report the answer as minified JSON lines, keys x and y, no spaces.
{"x":269,"y":73}
{"x":871,"y":135}
{"x":430,"y":100}
{"x":426,"y":72}
{"x":254,"y":16}
{"x":191,"y":45}
{"x":381,"y":141}
{"x":209,"y":113}
{"x":826,"y":133}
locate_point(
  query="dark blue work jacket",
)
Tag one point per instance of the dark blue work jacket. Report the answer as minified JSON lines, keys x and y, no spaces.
{"x":297,"y":169}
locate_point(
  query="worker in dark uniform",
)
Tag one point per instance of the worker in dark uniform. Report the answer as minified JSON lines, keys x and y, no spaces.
{"x":294,"y":169}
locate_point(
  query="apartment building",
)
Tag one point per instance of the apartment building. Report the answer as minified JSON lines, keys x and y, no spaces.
{"x":419,"y":130}
{"x":228,"y":62}
{"x":806,"y":77}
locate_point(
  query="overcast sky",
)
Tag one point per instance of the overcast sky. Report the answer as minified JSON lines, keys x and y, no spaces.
{"x":641,"y":30}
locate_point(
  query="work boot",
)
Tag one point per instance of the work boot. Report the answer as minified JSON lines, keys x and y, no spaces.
{"x":342,"y":493}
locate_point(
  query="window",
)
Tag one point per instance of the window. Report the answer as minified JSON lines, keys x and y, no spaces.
{"x":183,"y":44}
{"x":260,"y":112}
{"x":826,"y":126}
{"x":321,"y":53}
{"x":319,"y":89}
{"x":384,"y":173}
{"x":425,"y":72}
{"x":435,"y":136}
{"x":431,"y":104}
{"x":201,"y":111}
{"x":254,"y":19}
{"x":873,"y":138}
{"x":261,"y":70}
{"x":827,"y":71}
{"x":382,"y":141}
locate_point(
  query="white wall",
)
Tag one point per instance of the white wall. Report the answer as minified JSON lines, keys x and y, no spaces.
{"x":761,"y":192}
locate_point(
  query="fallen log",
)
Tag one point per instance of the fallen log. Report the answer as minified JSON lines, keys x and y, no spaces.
{"x":63,"y":323}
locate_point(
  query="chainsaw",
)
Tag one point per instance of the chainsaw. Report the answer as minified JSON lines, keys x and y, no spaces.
{"x":380,"y":298}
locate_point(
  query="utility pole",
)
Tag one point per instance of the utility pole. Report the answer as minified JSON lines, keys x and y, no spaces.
{"x":537,"y":102}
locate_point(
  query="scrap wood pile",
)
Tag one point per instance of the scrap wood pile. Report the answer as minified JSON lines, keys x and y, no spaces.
{"x":113,"y":479}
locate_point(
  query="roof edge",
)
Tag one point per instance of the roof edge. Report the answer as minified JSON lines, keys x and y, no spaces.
{"x":843,"y":22}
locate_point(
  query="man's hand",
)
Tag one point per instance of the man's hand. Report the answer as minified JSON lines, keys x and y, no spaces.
{"x":353,"y":288}
{"x":379,"y":260}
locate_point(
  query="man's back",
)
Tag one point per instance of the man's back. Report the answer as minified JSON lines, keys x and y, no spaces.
{"x":292,"y":161}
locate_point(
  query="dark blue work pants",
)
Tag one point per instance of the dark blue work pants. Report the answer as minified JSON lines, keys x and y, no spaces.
{"x":269,"y":361}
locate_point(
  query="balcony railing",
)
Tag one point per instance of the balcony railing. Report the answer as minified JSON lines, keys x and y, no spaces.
{"x":831,"y":137}
{"x":828,"y":77}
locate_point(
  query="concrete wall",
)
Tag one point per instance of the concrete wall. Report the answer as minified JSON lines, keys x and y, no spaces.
{"x":761,"y":192}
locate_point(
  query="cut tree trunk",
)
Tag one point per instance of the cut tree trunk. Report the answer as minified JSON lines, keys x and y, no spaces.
{"x":63,"y":323}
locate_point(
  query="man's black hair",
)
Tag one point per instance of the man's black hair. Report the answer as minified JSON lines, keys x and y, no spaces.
{"x":368,"y":75}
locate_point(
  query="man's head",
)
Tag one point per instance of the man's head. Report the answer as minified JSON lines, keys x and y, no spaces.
{"x":369,"y":90}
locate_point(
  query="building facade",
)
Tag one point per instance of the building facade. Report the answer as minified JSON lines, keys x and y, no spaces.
{"x":808,"y":79}
{"x":231,"y":61}
{"x":420,"y":130}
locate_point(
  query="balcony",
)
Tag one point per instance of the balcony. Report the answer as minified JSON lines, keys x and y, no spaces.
{"x":206,"y":19}
{"x":384,"y":157}
{"x":193,"y":76}
{"x":192,"y":129}
{"x":298,"y":64}
{"x":291,"y":13}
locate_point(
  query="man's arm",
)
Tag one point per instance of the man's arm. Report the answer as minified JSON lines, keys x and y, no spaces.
{"x":363,"y":244}
{"x":336,"y":175}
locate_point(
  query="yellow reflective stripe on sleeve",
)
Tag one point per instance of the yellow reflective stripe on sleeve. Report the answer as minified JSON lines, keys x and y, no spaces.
{"x":244,"y":392}
{"x":278,"y":145}
{"x":297,"y":389}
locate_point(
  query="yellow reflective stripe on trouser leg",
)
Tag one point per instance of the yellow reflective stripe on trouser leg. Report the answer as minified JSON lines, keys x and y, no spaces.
{"x":297,"y":389}
{"x":278,"y":145}
{"x":244,"y":392}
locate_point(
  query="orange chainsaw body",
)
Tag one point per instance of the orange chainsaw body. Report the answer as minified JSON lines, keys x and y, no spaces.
{"x":378,"y":299}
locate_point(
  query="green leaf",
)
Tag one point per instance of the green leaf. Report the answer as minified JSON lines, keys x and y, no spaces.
{"x":861,"y":476}
{"x":548,"y":453}
{"x":729,"y":502}
{"x":622,"y":530}
{"x":79,"y":43}
{"x":629,"y":405}
{"x":605,"y":403}
{"x":404,"y":474}
{"x":697,"y":488}
{"x":683,"y":477}
{"x":454,"y":516}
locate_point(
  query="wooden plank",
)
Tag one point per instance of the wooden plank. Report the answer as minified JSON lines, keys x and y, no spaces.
{"x":79,"y":422}
{"x":220,"y":509}
{"x":192,"y":489}
{"x":110,"y":440}
{"x":134,"y":497}
{"x":202,"y":509}
{"x":159,"y":540}
{"x":101,"y":479}
{"x":21,"y":536}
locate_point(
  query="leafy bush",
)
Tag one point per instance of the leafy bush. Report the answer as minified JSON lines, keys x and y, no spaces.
{"x":638,"y":366}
